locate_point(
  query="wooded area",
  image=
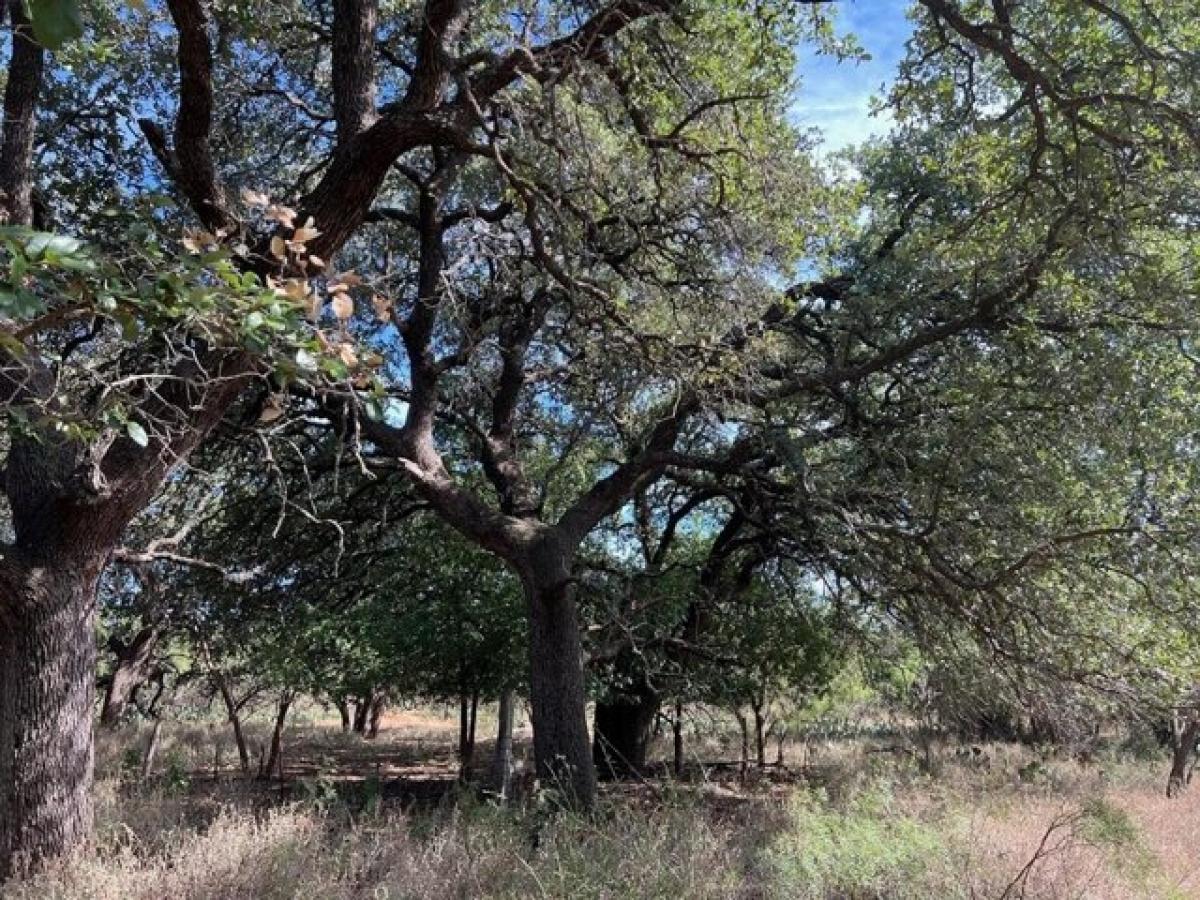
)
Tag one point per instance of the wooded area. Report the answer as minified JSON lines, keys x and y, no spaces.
{"x":357,"y":354}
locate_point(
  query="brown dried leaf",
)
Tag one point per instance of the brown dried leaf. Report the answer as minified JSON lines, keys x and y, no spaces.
{"x":252,"y":197}
{"x":382,"y":306}
{"x":284,"y":215}
{"x":343,"y":306}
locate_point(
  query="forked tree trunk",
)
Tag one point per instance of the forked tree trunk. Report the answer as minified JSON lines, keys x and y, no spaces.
{"x":131,"y":671}
{"x":362,"y":713}
{"x":233,"y":712}
{"x":275,"y":757}
{"x":561,"y":747}
{"x":1184,"y":740}
{"x":500,"y":777}
{"x":468,"y":707}
{"x":624,"y":728}
{"x":47,"y":688}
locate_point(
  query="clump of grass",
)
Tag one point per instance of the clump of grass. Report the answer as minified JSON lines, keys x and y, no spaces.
{"x":865,"y":847}
{"x":282,"y":854}
{"x":1104,"y":825}
{"x":674,"y":850}
{"x":466,"y":848}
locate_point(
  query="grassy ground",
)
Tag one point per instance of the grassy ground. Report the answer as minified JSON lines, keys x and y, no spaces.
{"x":860,"y":819}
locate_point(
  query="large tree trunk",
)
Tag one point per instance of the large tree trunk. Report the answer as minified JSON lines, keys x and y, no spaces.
{"x":1184,"y":741}
{"x":47,"y":688}
{"x":500,"y":777}
{"x":623,"y":731}
{"x":132,"y":669}
{"x":562,"y":750}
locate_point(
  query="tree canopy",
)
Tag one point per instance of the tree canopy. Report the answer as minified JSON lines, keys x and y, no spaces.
{"x":394,"y":336}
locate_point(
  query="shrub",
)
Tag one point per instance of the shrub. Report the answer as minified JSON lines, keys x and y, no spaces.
{"x":864,"y":849}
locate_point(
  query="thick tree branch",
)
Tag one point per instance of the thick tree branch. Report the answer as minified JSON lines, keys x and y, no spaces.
{"x":191,"y":158}
{"x":442,"y":22}
{"x":501,"y":456}
{"x":20,"y":122}
{"x":610,"y":493}
{"x":586,"y":43}
{"x":341,"y":201}
{"x":353,"y":65}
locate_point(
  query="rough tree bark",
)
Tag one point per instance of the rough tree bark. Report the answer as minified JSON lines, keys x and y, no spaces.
{"x":20,"y":125}
{"x":134,"y":662}
{"x":1184,"y":738}
{"x":47,"y":665}
{"x":562,"y":748}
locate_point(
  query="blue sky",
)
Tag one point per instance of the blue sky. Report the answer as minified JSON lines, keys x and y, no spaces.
{"x":835,"y":96}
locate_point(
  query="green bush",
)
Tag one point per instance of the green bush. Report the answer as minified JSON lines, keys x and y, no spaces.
{"x":864,"y":849}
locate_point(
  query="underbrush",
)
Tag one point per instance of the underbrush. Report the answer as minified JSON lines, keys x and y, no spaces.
{"x":865,"y":847}
{"x":464,"y":849}
{"x":994,"y":822}
{"x":875,"y":842}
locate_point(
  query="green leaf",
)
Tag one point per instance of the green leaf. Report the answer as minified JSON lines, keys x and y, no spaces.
{"x":55,"y":21}
{"x":374,"y":409}
{"x":137,"y":433}
{"x":44,"y":243}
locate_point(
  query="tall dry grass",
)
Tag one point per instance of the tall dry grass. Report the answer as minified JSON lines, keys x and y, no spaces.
{"x":997,"y":824}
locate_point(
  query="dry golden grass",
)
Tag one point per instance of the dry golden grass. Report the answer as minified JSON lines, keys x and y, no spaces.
{"x":862,"y":824}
